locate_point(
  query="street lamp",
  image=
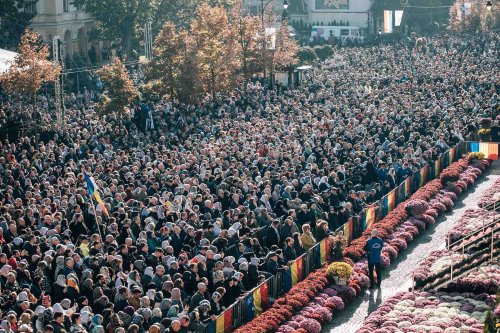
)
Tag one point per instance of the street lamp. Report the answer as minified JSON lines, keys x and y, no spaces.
{"x":379,"y":31}
{"x":488,"y":5}
{"x":285,"y":7}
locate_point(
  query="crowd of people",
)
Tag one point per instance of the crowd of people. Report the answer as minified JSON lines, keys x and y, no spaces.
{"x":208,"y":200}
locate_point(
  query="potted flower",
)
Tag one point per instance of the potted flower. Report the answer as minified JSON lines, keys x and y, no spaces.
{"x":476,"y":156}
{"x":340,"y":272}
{"x":484,"y":134}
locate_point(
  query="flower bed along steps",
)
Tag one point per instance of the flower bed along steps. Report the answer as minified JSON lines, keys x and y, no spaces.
{"x":482,"y":279}
{"x":477,"y":238}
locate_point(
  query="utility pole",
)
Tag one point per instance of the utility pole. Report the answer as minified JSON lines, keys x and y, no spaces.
{"x":148,"y":41}
{"x":59,"y":89}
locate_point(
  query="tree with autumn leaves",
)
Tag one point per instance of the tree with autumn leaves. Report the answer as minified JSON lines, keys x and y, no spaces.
{"x":285,"y":54}
{"x":222,"y":49}
{"x":31,"y":68}
{"x":475,"y":18}
{"x":216,"y":49}
{"x":172,"y":70}
{"x":119,"y":92}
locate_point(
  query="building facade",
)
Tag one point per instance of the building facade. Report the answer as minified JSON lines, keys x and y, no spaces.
{"x":73,"y":26}
{"x":355,"y":12}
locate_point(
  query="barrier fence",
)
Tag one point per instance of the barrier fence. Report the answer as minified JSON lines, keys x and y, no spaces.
{"x":260,"y":298}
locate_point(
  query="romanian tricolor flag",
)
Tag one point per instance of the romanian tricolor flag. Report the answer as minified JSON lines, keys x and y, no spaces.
{"x":294,"y":274}
{"x":94,"y":192}
{"x":348,"y":230}
{"x":451,"y":156}
{"x":223,"y":322}
{"x":389,"y":202}
{"x":250,"y":307}
{"x":257,"y":302}
{"x":407,"y":187}
{"x":474,"y":147}
{"x":437,"y":168}
{"x":423,"y":175}
{"x":490,"y":150}
{"x":300,"y":269}
{"x":324,"y":249}
{"x":260,"y":299}
{"x":370,"y":216}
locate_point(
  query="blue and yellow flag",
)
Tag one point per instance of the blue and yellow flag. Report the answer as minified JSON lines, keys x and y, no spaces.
{"x":94,"y":192}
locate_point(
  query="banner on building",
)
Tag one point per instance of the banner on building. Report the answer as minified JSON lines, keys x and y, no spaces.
{"x":388,"y":23}
{"x":331,"y":4}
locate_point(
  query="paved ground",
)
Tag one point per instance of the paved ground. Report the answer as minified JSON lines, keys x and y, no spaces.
{"x":397,"y":277}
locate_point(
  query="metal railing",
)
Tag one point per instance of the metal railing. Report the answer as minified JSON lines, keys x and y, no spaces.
{"x":243,"y":311}
{"x":404,"y":190}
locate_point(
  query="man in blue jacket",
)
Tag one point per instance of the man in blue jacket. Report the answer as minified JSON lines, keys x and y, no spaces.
{"x":373,"y":248}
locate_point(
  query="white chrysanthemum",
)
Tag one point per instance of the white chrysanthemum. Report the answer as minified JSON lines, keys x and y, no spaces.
{"x":402,"y":324}
{"x":478,"y":315}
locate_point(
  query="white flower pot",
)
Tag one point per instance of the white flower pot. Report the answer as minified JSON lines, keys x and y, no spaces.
{"x":339,"y":281}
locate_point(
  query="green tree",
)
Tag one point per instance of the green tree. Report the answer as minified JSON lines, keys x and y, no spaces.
{"x":120,"y":89}
{"x":120,"y":19}
{"x":15,"y":16}
{"x":306,"y":55}
{"x":324,"y":51}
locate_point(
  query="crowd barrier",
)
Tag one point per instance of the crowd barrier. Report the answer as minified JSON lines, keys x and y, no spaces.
{"x":260,"y":298}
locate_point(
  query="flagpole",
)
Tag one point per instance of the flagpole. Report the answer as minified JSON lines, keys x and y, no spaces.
{"x":96,"y":221}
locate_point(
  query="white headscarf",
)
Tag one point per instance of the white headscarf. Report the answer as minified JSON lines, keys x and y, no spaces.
{"x":61,"y":281}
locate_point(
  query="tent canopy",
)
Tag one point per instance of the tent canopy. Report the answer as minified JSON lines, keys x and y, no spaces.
{"x":6,"y":57}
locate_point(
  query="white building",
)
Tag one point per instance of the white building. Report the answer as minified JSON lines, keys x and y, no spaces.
{"x":355,"y":12}
{"x":61,"y":18}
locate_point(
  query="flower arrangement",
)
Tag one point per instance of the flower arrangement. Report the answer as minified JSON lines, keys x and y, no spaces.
{"x":430,"y":312}
{"x":484,"y":131}
{"x":417,"y":207}
{"x":471,"y":220}
{"x":437,"y":263}
{"x":340,"y":269}
{"x":489,"y":197}
{"x":284,"y":307}
{"x":484,"y":279}
{"x":476,"y":155}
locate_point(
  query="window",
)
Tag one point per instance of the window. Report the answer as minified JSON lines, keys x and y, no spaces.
{"x":344,"y":32}
{"x":66,"y":6}
{"x":30,"y":8}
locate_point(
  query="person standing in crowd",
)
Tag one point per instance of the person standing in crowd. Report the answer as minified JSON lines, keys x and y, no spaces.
{"x":196,"y":207}
{"x":373,"y":248}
